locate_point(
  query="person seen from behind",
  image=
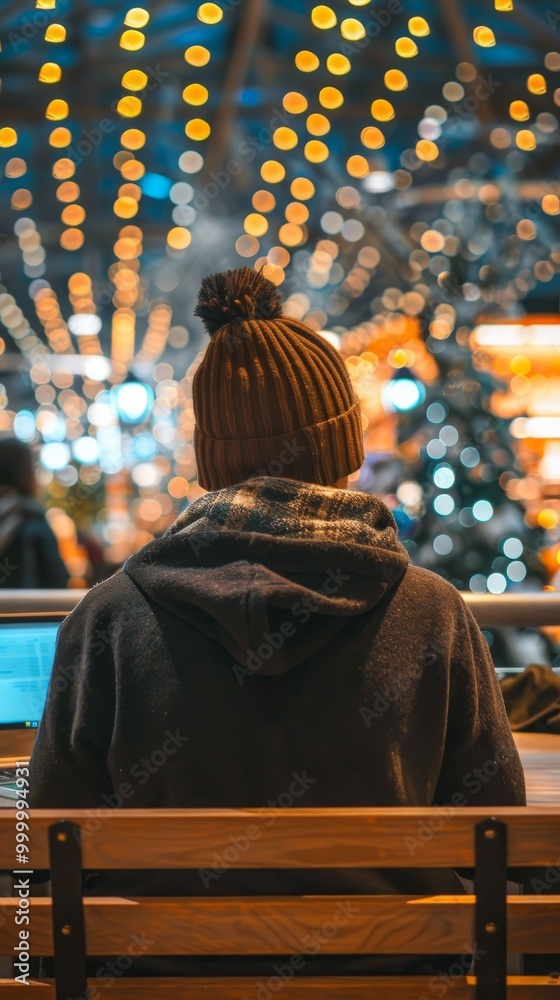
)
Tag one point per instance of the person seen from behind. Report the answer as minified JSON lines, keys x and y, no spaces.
{"x":275,"y":647}
{"x":29,"y":555}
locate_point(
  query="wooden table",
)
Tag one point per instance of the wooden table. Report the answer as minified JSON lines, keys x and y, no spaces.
{"x":540,"y":756}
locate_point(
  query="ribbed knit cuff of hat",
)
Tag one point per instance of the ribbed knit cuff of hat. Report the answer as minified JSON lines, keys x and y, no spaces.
{"x":322,"y":453}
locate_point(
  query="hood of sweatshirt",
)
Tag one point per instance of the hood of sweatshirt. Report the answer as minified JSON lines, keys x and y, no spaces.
{"x":273,"y":568}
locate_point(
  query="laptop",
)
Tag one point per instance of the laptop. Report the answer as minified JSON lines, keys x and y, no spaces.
{"x":27,"y":647}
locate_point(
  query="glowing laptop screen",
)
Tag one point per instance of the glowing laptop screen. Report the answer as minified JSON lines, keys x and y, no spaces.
{"x":26,"y":660}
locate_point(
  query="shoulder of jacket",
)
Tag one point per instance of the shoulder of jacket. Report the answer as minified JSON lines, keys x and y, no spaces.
{"x":427,"y":587}
{"x":107,"y":600}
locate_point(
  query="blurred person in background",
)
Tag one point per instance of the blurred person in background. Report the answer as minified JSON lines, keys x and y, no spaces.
{"x":29,"y":556}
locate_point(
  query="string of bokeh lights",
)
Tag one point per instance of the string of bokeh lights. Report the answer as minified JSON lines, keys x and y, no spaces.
{"x":329,"y":276}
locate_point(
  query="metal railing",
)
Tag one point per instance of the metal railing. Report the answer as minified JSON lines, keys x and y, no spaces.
{"x":514,"y":610}
{"x":16,"y":602}
{"x":491,"y":611}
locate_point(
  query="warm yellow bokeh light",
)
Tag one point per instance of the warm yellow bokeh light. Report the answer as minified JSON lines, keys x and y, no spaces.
{"x":525,"y":139}
{"x":210,"y":13}
{"x":79,"y":284}
{"x":484,"y":36}
{"x":551,"y":204}
{"x":273,"y":172}
{"x":197,"y":129}
{"x":136,"y":17}
{"x":318,"y":124}
{"x":406,"y":47}
{"x":132,"y":40}
{"x":69,"y":191}
{"x":255,"y":224}
{"x":419,"y":26}
{"x":519,"y":111}
{"x":306,"y":61}
{"x":357,"y":166}
{"x":382,"y":110}
{"x":548,"y":518}
{"x":57,"y":110}
{"x":372,"y":137}
{"x":63,"y":168}
{"x":8,"y":137}
{"x":129,"y":190}
{"x":294,"y":102}
{"x":503,"y":4}
{"x":302,"y":188}
{"x":55,"y":33}
{"x":297,"y":213}
{"x":536,"y":83}
{"x":395,"y":79}
{"x":133,"y":138}
{"x":195,"y":93}
{"x":197,"y":55}
{"x":133,"y":170}
{"x":273,"y":273}
{"x":60,"y":137}
{"x":427,"y":150}
{"x":352,"y":29}
{"x":284,"y":138}
{"x":330,"y":97}
{"x":21,"y":199}
{"x":291,"y":235}
{"x":50,"y":72}
{"x":316,"y":151}
{"x":126,"y":248}
{"x":526,"y":229}
{"x":129,"y":106}
{"x":179,"y":238}
{"x":73,"y":215}
{"x":338,"y":65}
{"x":398,"y":358}
{"x":16,"y":167}
{"x":520,"y":364}
{"x":125,"y":208}
{"x":263,"y":201}
{"x":72,"y":239}
{"x":134,"y":79}
{"x":178,"y":487}
{"x":323,"y":17}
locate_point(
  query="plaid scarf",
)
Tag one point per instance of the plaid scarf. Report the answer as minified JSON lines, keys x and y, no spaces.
{"x":283,"y":507}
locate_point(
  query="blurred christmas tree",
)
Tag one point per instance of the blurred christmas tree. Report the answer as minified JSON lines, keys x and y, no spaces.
{"x":442,"y":462}
{"x":445,"y":480}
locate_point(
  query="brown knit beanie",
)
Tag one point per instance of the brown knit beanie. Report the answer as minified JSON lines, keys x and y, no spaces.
{"x":271,"y":397}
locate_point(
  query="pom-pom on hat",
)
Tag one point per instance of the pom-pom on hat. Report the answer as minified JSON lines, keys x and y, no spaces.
{"x":271,"y":396}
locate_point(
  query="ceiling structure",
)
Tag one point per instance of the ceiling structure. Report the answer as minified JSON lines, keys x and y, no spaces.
{"x":391,"y":164}
{"x":251,"y":67}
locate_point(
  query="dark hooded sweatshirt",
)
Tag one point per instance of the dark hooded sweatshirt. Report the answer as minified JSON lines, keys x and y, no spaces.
{"x":275,"y":648}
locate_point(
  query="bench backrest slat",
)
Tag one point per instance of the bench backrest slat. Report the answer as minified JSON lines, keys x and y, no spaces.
{"x":297,"y":988}
{"x":288,"y":838}
{"x":391,"y":925}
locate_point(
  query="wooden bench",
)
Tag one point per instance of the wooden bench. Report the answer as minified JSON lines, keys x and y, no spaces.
{"x":68,"y":926}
